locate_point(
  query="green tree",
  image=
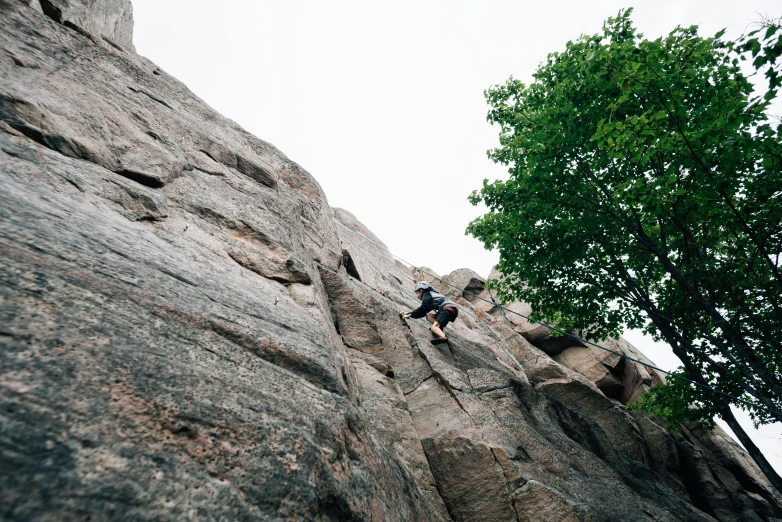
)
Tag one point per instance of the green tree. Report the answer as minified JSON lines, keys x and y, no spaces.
{"x":645,"y":191}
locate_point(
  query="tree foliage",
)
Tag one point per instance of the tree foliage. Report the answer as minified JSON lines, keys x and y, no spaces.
{"x":678,"y":402}
{"x":645,"y":191}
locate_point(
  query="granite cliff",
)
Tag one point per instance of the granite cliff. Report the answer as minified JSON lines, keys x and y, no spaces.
{"x":188,"y":331}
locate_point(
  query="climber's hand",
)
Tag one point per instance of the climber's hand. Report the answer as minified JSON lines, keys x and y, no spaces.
{"x":404,"y":315}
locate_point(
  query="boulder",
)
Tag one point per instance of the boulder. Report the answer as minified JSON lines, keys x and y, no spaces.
{"x":462,"y":282}
{"x":602,"y":368}
{"x":617,"y":377}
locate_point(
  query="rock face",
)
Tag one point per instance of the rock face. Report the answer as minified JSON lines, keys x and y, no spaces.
{"x":111,"y":20}
{"x":189,"y":331}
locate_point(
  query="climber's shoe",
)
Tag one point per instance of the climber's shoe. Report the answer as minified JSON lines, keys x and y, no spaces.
{"x":439,"y":340}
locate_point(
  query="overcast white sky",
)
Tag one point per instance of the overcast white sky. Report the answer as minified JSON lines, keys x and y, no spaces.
{"x":382,"y":102}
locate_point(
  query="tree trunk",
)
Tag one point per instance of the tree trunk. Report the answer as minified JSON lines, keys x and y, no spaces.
{"x":727,"y":415}
{"x":679,"y":346}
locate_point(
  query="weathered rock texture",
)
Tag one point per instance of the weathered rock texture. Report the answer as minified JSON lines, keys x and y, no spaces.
{"x":189,"y":332}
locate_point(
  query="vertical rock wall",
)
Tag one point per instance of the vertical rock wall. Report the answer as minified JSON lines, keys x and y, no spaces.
{"x":189,"y":331}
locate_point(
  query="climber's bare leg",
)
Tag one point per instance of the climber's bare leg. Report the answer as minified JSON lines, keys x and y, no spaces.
{"x":435,"y":328}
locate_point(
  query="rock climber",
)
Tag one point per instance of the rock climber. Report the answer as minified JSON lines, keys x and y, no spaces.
{"x":438,"y":309}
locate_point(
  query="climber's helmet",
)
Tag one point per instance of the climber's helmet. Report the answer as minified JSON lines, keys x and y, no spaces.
{"x":422,"y":286}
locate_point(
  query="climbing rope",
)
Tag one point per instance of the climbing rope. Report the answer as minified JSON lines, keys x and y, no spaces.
{"x":556,"y":329}
{"x":411,"y":296}
{"x":491,"y":333}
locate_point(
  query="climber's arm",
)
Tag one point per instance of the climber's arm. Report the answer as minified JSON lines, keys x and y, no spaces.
{"x":426,"y":307}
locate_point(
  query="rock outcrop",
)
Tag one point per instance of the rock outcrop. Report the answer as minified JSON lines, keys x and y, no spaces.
{"x":189,"y":332}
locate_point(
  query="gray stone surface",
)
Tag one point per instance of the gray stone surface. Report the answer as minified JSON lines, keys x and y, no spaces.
{"x":189,"y":332}
{"x":111,"y":20}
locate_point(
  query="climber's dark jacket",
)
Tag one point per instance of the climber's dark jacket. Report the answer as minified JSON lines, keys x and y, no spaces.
{"x":432,"y":301}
